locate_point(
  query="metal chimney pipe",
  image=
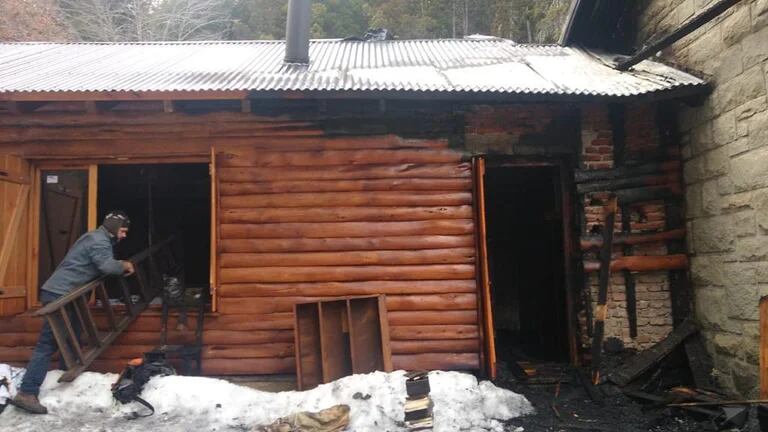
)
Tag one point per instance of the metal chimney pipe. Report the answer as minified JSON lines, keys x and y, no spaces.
{"x":297,"y":31}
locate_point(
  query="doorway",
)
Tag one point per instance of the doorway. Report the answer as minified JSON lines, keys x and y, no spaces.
{"x":526,"y":260}
{"x":162,"y":200}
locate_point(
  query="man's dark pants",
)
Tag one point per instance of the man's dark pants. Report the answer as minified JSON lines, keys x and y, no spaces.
{"x":46,"y":346}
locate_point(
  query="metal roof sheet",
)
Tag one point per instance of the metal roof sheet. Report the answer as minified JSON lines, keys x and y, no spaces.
{"x":480,"y":65}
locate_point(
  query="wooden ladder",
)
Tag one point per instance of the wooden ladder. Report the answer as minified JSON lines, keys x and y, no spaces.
{"x":66,"y":312}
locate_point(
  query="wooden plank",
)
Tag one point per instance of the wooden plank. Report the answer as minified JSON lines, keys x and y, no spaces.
{"x":764,"y":347}
{"x":359,"y":288}
{"x":12,"y":291}
{"x":352,"y":172}
{"x":367,"y":349}
{"x":348,"y":199}
{"x":93,"y":193}
{"x":642,"y":263}
{"x":591,"y":242}
{"x":347,"y":243}
{"x":405,"y":318}
{"x":601,"y":311}
{"x":249,"y":157}
{"x":344,"y":214}
{"x":309,"y":368}
{"x":436,"y":361}
{"x":449,"y":346}
{"x":434,"y":332}
{"x":385,"y":257}
{"x":484,"y":281}
{"x":12,"y":230}
{"x":629,"y":278}
{"x":268,"y":305}
{"x":214,"y":251}
{"x":388,"y":184}
{"x":335,"y":328}
{"x":348,"y":273}
{"x":347,"y":229}
{"x":644,"y":360}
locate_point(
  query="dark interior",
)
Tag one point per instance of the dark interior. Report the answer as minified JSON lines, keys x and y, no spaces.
{"x":526,"y":260}
{"x":162,"y":200}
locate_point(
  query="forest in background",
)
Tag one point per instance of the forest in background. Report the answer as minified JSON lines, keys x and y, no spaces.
{"x":524,"y":21}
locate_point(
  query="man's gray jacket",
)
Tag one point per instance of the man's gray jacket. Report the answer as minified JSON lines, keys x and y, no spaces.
{"x":90,"y":257}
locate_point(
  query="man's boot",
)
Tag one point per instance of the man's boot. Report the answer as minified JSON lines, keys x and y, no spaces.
{"x":29,"y":403}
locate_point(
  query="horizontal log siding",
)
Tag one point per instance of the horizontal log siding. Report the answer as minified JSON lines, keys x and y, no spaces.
{"x":304,"y":225}
{"x":322,"y":217}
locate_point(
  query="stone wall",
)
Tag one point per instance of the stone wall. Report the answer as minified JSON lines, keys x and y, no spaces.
{"x":725,"y":149}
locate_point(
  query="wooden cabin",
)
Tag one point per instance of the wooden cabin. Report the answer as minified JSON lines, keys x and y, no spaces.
{"x":464,"y":179}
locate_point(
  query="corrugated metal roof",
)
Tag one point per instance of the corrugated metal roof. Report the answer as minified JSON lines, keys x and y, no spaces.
{"x":457,"y":65}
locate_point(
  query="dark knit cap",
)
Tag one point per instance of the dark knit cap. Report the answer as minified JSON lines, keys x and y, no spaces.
{"x":115,"y":220}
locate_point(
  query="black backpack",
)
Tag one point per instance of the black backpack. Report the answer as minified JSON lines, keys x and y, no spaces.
{"x":137,"y":372}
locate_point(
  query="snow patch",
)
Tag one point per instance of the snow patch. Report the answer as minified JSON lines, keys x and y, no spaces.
{"x":195,"y":403}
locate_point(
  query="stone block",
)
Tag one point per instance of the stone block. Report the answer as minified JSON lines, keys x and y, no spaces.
{"x":730,"y":64}
{"x":755,"y":48}
{"x":712,"y":235}
{"x":738,"y":147}
{"x":762,"y":275}
{"x":711,"y":308}
{"x":693,"y":201}
{"x":742,"y":301}
{"x":724,"y":128}
{"x":759,"y":14}
{"x":716,"y":162}
{"x":737,"y":202}
{"x":702,"y":138}
{"x":760,"y":202}
{"x":757,"y":129}
{"x":736,"y":26}
{"x":745,"y":376}
{"x":693,"y":170}
{"x":725,"y":185}
{"x":751,"y":108}
{"x":750,"y":249}
{"x":706,"y":270}
{"x":740,"y":90}
{"x":750,"y":170}
{"x":710,"y":198}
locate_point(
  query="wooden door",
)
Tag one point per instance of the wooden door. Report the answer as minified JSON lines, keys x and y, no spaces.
{"x":14,"y":203}
{"x":63,"y":215}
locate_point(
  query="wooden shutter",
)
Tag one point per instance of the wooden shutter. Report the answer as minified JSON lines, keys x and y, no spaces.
{"x":14,"y":201}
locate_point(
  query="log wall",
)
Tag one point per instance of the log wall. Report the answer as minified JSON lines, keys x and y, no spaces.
{"x":302,"y":216}
{"x":373,"y":215}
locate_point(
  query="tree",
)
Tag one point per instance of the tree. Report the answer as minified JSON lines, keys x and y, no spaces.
{"x":147,"y":20}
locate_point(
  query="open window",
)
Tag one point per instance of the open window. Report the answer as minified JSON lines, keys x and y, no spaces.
{"x":162,"y":200}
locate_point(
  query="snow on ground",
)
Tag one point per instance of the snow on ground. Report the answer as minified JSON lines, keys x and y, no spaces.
{"x":206,"y":404}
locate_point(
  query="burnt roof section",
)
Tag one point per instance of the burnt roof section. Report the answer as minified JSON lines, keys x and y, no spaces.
{"x":496,"y":68}
{"x":603,"y":24}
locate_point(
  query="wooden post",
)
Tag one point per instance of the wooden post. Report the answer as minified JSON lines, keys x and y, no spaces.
{"x":484,"y":273}
{"x":629,"y":278}
{"x":601,"y":311}
{"x":764,"y":347}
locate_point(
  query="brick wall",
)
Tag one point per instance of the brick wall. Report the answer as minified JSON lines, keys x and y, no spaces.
{"x":725,"y":150}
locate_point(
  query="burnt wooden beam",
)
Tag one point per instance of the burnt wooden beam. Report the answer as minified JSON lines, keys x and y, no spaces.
{"x":645,"y":360}
{"x":593,"y":242}
{"x":629,"y":278}
{"x":601,"y":312}
{"x":628,"y":182}
{"x":642,"y":263}
{"x":687,"y":28}
{"x":583,"y":176}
